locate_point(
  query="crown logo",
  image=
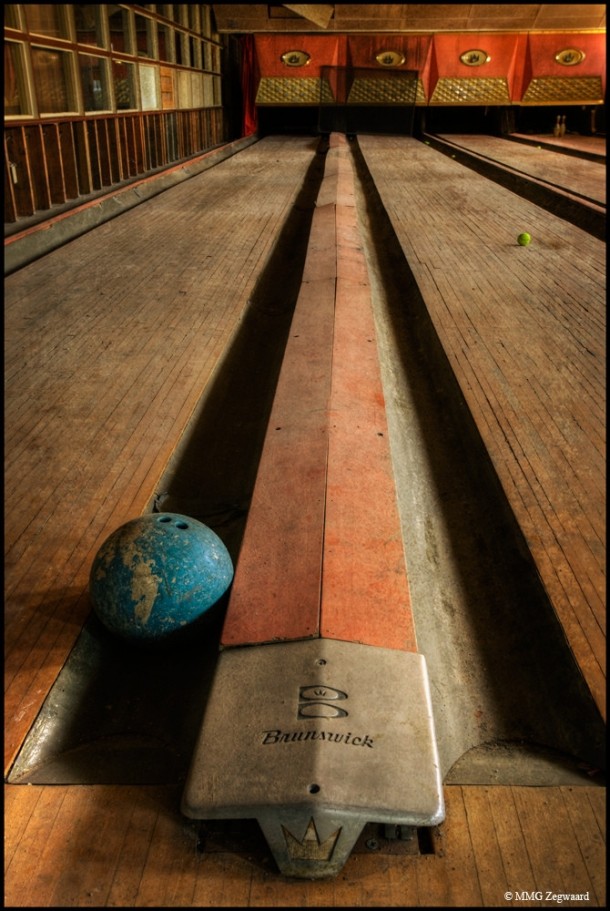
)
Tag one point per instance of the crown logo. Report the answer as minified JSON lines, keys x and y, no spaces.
{"x":310,"y":848}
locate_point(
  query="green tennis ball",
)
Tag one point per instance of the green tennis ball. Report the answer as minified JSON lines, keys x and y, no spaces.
{"x":524,"y":239}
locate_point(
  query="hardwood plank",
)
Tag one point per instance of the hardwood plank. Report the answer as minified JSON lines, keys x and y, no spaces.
{"x":588,"y":822}
{"x":91,"y":862}
{"x":454,"y":846}
{"x":487,"y":850}
{"x":171,"y":848}
{"x":141,"y":830}
{"x":28,"y":868}
{"x":554,"y":855}
{"x":515,"y":858}
{"x":17,"y":814}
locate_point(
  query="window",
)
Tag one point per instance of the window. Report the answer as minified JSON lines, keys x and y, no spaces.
{"x":53,"y":79}
{"x":88,"y":23}
{"x":94,"y":82}
{"x":144,"y":36}
{"x":165,"y":42}
{"x":184,"y":89}
{"x":206,"y":25}
{"x":180,"y":49}
{"x":195,"y":51}
{"x":120,"y":35}
{"x":197,"y":90}
{"x":11,"y":15}
{"x":123,"y":78}
{"x":16,"y":96}
{"x":47,"y":19}
{"x":194,"y":17}
{"x":149,"y":88}
{"x":208,"y":91}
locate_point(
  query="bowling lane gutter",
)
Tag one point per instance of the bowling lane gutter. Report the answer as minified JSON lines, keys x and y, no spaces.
{"x":578,"y":209}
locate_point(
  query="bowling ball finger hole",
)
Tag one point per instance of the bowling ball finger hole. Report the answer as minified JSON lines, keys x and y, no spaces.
{"x":314,"y":788}
{"x":167,"y":519}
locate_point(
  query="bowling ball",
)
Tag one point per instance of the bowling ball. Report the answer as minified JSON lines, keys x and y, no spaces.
{"x":523,"y":239}
{"x":158,"y":575}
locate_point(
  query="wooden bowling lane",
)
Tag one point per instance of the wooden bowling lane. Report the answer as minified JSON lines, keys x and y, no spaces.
{"x":592,"y":148}
{"x":523,"y":330}
{"x":109,"y":343}
{"x":322,"y":552}
{"x":580,"y":177}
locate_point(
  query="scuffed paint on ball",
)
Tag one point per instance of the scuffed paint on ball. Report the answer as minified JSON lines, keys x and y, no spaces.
{"x":158,"y":574}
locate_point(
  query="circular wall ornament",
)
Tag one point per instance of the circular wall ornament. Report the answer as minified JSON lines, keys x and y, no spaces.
{"x":570,"y":56}
{"x":390,"y":58}
{"x":295,"y":58}
{"x":475,"y":58}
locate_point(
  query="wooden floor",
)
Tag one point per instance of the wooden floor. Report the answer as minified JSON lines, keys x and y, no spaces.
{"x":569,"y":143}
{"x":524,"y":331}
{"x":128,"y":847}
{"x":111,"y":342}
{"x":585,"y":179}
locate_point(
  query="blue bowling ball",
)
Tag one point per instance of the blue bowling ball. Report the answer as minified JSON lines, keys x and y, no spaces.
{"x":158,"y":575}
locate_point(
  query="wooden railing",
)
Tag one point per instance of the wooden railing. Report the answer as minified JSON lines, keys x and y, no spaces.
{"x":53,"y":163}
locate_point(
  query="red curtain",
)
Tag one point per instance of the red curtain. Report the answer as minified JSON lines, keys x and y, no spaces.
{"x":249,"y":84}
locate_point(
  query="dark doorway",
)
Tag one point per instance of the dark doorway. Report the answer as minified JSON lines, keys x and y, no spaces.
{"x":293,"y":119}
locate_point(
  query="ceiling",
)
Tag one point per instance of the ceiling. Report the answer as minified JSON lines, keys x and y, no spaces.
{"x":406,"y":17}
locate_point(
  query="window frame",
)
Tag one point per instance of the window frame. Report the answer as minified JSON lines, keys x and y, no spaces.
{"x":72,"y":85}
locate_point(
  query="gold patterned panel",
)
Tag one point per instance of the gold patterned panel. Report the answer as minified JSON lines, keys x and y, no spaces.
{"x":395,"y":89}
{"x":287,"y":90}
{"x":476,"y":90}
{"x":564,"y":89}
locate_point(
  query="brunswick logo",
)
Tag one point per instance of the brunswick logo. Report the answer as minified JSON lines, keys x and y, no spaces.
{"x":319,"y":701}
{"x":311,"y":848}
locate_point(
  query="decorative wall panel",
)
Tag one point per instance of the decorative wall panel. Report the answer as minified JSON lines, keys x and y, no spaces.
{"x":550,"y":75}
{"x":399,"y":88}
{"x":568,"y":90}
{"x":290,"y":90}
{"x":436,"y":69}
{"x":471,"y":91}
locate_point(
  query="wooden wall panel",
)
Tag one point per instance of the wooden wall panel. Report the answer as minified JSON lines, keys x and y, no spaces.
{"x":53,"y":162}
{"x":68,"y":159}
